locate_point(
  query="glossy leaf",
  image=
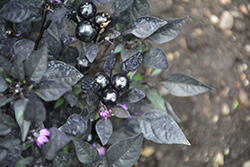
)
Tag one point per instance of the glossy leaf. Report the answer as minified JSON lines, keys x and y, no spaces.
{"x":110,"y":63}
{"x":75,"y":125}
{"x":182,"y":85}
{"x":35,"y":110}
{"x":85,"y":152}
{"x":59,"y":102}
{"x":16,"y":11}
{"x":62,"y":72}
{"x":91,"y":51}
{"x":35,"y":65}
{"x":155,"y":98}
{"x":127,"y":53}
{"x":104,"y":129}
{"x":169,"y":31}
{"x":120,"y":112}
{"x":132,"y":96}
{"x":3,"y":84}
{"x":19,"y":108}
{"x":158,"y":127}
{"x":145,"y":26}
{"x":120,"y":5}
{"x":71,"y":98}
{"x":156,"y":58}
{"x":132,"y":63}
{"x":125,"y":152}
{"x":50,"y":90}
{"x":23,"y":48}
{"x":17,"y":69}
{"x":5,"y":65}
{"x":86,"y":86}
{"x":137,"y":9}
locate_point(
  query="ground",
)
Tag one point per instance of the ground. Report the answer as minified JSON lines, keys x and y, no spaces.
{"x":217,"y":52}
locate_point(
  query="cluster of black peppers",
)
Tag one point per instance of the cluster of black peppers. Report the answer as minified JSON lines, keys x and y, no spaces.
{"x":110,"y":88}
{"x":90,"y":24}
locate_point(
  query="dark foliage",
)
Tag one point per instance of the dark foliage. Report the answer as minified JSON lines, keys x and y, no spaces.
{"x":56,"y":102}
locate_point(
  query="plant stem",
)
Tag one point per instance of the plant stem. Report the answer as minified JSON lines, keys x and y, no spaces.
{"x":43,"y":28}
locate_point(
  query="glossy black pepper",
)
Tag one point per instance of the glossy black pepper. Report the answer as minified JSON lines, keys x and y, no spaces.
{"x":120,"y":82}
{"x":109,"y":97}
{"x":85,"y":31}
{"x":86,"y":10}
{"x":82,"y":64}
{"x":101,"y":81}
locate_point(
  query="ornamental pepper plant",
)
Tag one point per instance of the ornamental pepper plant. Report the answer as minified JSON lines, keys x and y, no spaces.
{"x":73,"y":86}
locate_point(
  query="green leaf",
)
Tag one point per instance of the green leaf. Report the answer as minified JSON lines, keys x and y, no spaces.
{"x":156,"y":72}
{"x":155,"y":98}
{"x":138,"y":77}
{"x":77,"y":90}
{"x":59,"y":102}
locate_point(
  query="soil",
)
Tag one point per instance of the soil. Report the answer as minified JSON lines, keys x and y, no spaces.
{"x":216,"y":123}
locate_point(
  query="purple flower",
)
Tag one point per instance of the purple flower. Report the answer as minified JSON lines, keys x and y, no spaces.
{"x":105,"y":114}
{"x":124,"y":106}
{"x":18,"y":35}
{"x":99,"y":148}
{"x":42,"y":138}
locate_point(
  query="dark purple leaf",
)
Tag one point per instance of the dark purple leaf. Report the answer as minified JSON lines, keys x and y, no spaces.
{"x":13,"y":154}
{"x":3,"y":84}
{"x":3,"y":153}
{"x":49,"y":150}
{"x":35,"y":110}
{"x":53,"y":41}
{"x":24,"y":25}
{"x":156,"y":58}
{"x":127,"y":53}
{"x":16,"y":11}
{"x":120,"y":5}
{"x":120,"y":112}
{"x":93,"y":99}
{"x":71,"y":98}
{"x":23,"y":48}
{"x":66,"y":38}
{"x":101,"y":2}
{"x":125,"y":152}
{"x":19,"y":108}
{"x":17,"y":70}
{"x":132,"y":63}
{"x":109,"y":34}
{"x":75,"y":125}
{"x":91,"y":51}
{"x":145,"y":26}
{"x":86,"y":86}
{"x":58,"y":14}
{"x":72,"y":54}
{"x":62,"y":72}
{"x":85,"y":152}
{"x":158,"y":127}
{"x":65,"y":160}
{"x":5,"y":65}
{"x":182,"y":85}
{"x":104,"y":130}
{"x":50,"y":90}
{"x":169,"y":31}
{"x":59,"y":138}
{"x":170,"y":112}
{"x":110,"y":63}
{"x":8,"y":121}
{"x":9,"y":141}
{"x":137,"y":9}
{"x":4,"y":130}
{"x":4,"y":100}
{"x":132,"y":96}
{"x":35,"y":65}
